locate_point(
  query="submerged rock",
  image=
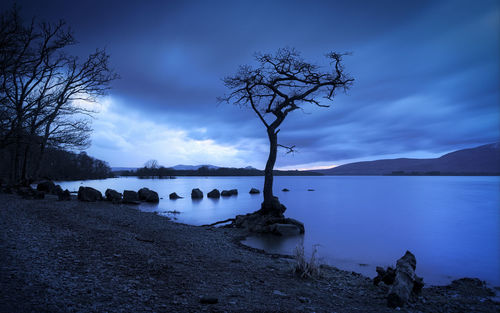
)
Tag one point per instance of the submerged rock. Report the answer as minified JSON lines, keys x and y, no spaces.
{"x":148,"y":195}
{"x":196,"y":193}
{"x":285,"y":190}
{"x":254,"y":191}
{"x":89,"y":194}
{"x":213,"y":194}
{"x":174,"y":196}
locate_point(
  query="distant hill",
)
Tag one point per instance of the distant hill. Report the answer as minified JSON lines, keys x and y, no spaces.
{"x":482,"y":160}
{"x":119,"y":169}
{"x":182,"y":167}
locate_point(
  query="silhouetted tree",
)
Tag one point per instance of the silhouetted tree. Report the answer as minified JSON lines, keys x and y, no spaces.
{"x":282,"y":83}
{"x":40,"y":84}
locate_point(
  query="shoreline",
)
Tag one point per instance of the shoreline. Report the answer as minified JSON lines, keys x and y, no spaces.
{"x":72,"y":256}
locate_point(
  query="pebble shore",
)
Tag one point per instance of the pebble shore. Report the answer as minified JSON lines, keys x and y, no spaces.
{"x":71,"y":256}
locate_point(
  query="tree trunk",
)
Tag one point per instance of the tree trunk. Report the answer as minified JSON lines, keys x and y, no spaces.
{"x":271,"y":205}
{"x":24,"y":173}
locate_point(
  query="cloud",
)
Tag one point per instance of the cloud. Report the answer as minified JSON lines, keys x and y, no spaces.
{"x":427,"y":77}
{"x":128,"y":138}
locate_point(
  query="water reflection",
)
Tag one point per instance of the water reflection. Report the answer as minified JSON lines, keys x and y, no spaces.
{"x":274,"y":244}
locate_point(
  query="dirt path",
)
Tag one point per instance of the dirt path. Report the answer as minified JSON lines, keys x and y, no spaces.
{"x":94,"y":257}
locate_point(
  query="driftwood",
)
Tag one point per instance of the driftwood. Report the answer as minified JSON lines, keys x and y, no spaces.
{"x":219,"y":222}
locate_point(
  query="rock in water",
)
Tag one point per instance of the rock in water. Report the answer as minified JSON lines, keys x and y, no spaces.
{"x":214,"y":194}
{"x":130,"y":196}
{"x":174,"y":196}
{"x":196,"y":193}
{"x":254,"y":191}
{"x":228,"y":193}
{"x":113,"y":195}
{"x":406,"y":283}
{"x":266,"y":223}
{"x":285,"y":190}
{"x":148,"y":195}
{"x":89,"y":194}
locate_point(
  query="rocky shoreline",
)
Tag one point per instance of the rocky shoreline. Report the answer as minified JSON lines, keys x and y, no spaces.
{"x":71,"y":256}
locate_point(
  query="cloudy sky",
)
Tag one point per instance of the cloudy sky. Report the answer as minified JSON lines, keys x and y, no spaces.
{"x":427,"y":77}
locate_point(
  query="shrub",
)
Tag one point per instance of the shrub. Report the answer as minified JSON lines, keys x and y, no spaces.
{"x":303,"y":267}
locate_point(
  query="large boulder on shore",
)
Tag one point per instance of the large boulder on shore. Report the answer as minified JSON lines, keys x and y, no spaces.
{"x":89,"y":194}
{"x":228,"y":193}
{"x":46,"y":186}
{"x":196,"y":193}
{"x":64,"y":196}
{"x":214,"y":194}
{"x":113,"y":195}
{"x":254,"y":191}
{"x":404,"y":284}
{"x":174,"y":196}
{"x":148,"y":195}
{"x":130,"y":196}
{"x":407,"y":284}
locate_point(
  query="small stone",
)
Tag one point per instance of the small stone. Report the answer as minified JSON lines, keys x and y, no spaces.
{"x":208,"y":300}
{"x":279,"y":293}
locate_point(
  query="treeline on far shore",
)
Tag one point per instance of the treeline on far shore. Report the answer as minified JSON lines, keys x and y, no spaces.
{"x":59,"y":164}
{"x":166,"y":172}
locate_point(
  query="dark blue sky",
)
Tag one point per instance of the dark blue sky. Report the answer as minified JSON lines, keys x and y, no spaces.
{"x":427,"y":77}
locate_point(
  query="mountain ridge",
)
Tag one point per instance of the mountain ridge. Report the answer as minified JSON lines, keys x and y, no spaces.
{"x":481,"y":160}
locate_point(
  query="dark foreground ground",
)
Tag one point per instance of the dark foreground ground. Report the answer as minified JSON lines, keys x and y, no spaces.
{"x":99,"y":257}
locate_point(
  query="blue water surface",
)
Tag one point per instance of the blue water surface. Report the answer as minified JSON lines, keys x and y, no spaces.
{"x":451,"y":224}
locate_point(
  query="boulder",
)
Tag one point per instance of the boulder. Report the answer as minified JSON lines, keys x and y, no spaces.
{"x":57,"y":190}
{"x":174,"y":196}
{"x":214,"y":194}
{"x":285,"y":190}
{"x":284,"y":229}
{"x":38,"y":194}
{"x":130,"y":196}
{"x":254,"y":191}
{"x":407,"y":285}
{"x":46,"y":186}
{"x":89,"y":194}
{"x":385,"y":276}
{"x":113,"y":195}
{"x":196,"y":193}
{"x":228,"y":193}
{"x":64,"y":196}
{"x":267,"y":223}
{"x":148,"y":195}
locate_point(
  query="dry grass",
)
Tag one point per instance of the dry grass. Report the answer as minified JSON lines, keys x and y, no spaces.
{"x":303,"y":267}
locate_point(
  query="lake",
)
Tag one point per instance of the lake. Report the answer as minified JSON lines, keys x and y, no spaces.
{"x":450,"y":223}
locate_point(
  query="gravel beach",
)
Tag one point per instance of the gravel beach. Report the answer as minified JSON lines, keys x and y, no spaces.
{"x":70,"y":256}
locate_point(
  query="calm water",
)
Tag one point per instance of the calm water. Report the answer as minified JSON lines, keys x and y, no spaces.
{"x":451,"y":224}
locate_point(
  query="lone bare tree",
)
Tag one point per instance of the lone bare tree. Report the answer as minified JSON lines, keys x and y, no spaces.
{"x":281,"y":83}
